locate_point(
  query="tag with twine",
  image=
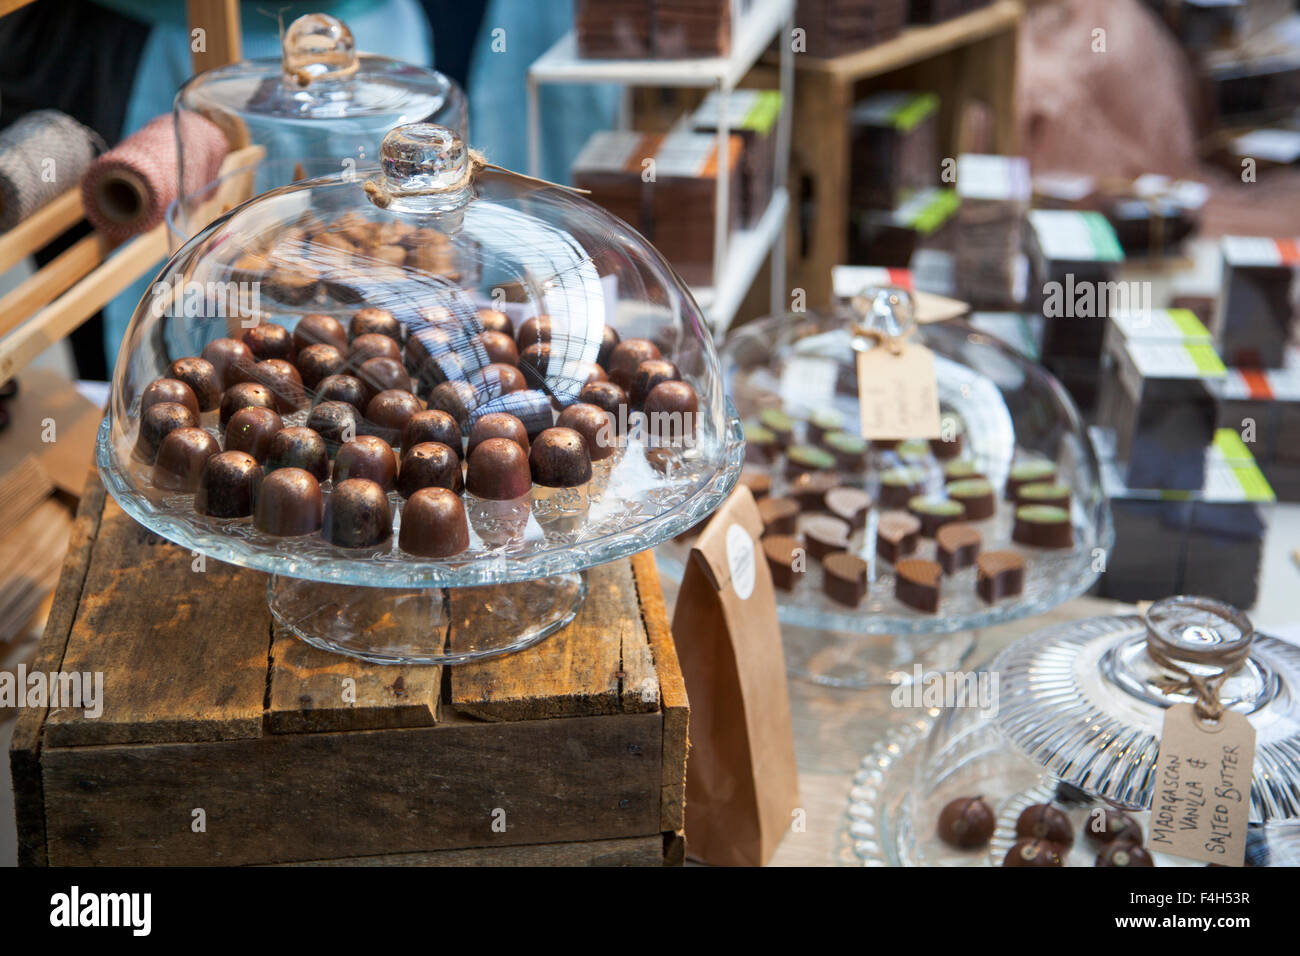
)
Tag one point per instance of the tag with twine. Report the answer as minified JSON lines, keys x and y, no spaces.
{"x":1201,"y":806}
{"x":898,"y":394}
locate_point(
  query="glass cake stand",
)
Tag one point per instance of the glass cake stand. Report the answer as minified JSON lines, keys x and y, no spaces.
{"x":1076,"y":724}
{"x":441,"y":244}
{"x":1011,"y":410}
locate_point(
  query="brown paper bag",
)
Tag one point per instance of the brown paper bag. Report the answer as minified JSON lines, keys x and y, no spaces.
{"x":741,"y":786}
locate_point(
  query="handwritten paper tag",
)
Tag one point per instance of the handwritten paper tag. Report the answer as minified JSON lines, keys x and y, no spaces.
{"x":1202,"y":800}
{"x":897,"y":393}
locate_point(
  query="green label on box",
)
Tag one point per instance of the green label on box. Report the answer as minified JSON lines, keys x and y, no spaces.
{"x":1188,"y":323}
{"x":1207,"y":360}
{"x":909,"y":114}
{"x":1231,"y":447}
{"x":1105,"y":244}
{"x":763,"y":114}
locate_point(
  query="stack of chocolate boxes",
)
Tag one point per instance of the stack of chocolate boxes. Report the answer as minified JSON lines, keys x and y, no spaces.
{"x":994,"y":193}
{"x":1073,"y":262}
{"x":1264,"y":405}
{"x":836,"y":27}
{"x":894,"y":149}
{"x":1257,"y":309}
{"x":637,"y":29}
{"x":665,"y":187}
{"x":752,"y":115}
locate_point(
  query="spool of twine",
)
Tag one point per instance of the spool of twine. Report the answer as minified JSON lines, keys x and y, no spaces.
{"x":126,"y":191}
{"x":42,"y":155}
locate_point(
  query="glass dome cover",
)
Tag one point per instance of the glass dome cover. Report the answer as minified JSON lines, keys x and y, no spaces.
{"x":1074,"y":721}
{"x":450,"y":258}
{"x":1010,"y":412}
{"x":322,"y":107}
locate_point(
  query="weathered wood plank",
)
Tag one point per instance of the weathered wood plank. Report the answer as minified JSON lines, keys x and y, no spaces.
{"x":633,"y":851}
{"x":297,"y":797}
{"x":574,"y":672}
{"x":183,"y":651}
{"x":314,"y":691}
{"x":24,"y":748}
{"x":672,"y":690}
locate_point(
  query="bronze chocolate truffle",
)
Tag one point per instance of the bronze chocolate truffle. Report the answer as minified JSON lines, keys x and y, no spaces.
{"x":202,"y":379}
{"x":342,"y":388}
{"x":533,"y":331}
{"x":626,"y":358}
{"x":966,"y":823}
{"x":534,"y":365}
{"x":499,"y":347}
{"x":284,"y":383}
{"x":269,"y":341}
{"x":429,"y":465}
{"x":1121,"y":853}
{"x":231,"y":358}
{"x":530,"y":407}
{"x":495,"y":321}
{"x":497,"y":425}
{"x":559,"y":459}
{"x":433,"y":424}
{"x":357,"y":515}
{"x":1106,"y":825}
{"x":168,"y":390}
{"x":648,"y":375}
{"x":245,"y":395}
{"x":1031,"y":852}
{"x":318,"y":362}
{"x":288,"y":503}
{"x":373,"y":345}
{"x":433,"y":524}
{"x":251,"y":430}
{"x":671,"y":409}
{"x":594,"y":425}
{"x":498,"y":379}
{"x":319,"y":329}
{"x":228,"y":485}
{"x":299,"y":448}
{"x":367,"y":457}
{"x":1045,"y":822}
{"x":498,"y":470}
{"x":458,"y":399}
{"x":371,"y":321}
{"x":156,"y":423}
{"x":181,"y":458}
{"x":336,"y":422}
{"x":381,"y":374}
{"x":611,"y":398}
{"x":388,"y":412}
{"x":608,"y":342}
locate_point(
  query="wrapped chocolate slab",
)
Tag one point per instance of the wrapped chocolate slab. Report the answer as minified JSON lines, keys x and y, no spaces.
{"x":1257,"y":308}
{"x":838,"y":27}
{"x":893,"y":148}
{"x":890,"y":237}
{"x":683,"y":205}
{"x":1264,"y":406}
{"x":994,"y":193}
{"x":752,"y":115}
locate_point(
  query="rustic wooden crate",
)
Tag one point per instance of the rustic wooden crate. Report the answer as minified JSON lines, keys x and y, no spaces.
{"x":209,"y":705}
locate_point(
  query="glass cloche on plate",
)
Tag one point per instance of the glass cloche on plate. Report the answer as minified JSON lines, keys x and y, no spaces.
{"x":1062,"y":732}
{"x":322,"y":107}
{"x":1000,"y":517}
{"x":444,"y":376}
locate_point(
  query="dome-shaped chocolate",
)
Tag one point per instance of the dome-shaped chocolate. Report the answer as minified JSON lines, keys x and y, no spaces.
{"x":157,"y":423}
{"x":289,"y":503}
{"x":433,"y":424}
{"x":181,"y":458}
{"x":498,"y":379}
{"x":608,"y":342}
{"x":342,"y":388}
{"x":671,"y":410}
{"x":594,"y":425}
{"x":429,"y":465}
{"x":626,"y":358}
{"x":367,"y":457}
{"x":388,"y":412}
{"x":357,"y":515}
{"x":269,"y":341}
{"x":299,"y":448}
{"x":200,"y":375}
{"x":611,"y":398}
{"x":319,"y":329}
{"x":284,"y":382}
{"x":372,"y":321}
{"x":251,"y":430}
{"x":495,"y":321}
{"x":434,"y":524}
{"x":168,"y":390}
{"x":318,"y":362}
{"x":499,"y":347}
{"x":228,"y":485}
{"x":381,"y":374}
{"x":245,"y":395}
{"x":559,"y":459}
{"x":458,"y":399}
{"x":336,"y":422}
{"x":231,"y":359}
{"x":497,"y":425}
{"x":649,"y":374}
{"x":373,"y":345}
{"x":498,"y":470}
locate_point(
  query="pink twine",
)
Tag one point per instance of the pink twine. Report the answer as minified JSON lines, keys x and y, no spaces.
{"x":126,"y":191}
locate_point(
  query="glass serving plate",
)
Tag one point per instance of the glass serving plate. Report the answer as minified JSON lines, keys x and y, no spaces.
{"x":1080,"y":707}
{"x":469,"y":244}
{"x":1012,"y":410}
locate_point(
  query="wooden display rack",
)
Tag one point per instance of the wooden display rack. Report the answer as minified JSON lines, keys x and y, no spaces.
{"x":570,"y":752}
{"x":969,"y":58}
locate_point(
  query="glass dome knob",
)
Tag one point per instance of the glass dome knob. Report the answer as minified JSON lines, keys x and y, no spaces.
{"x":422,"y":156}
{"x":317,"y":47}
{"x":887,"y":312}
{"x":1198,"y":630}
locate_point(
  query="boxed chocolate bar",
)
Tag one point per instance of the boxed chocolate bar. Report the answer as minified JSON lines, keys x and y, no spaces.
{"x":613,"y":29}
{"x":989,"y":231}
{"x":1263,"y":406}
{"x":890,"y":237}
{"x":752,"y":115}
{"x":893,"y":150}
{"x":683,"y":200}
{"x":838,"y":27}
{"x":936,"y":11}
{"x":611,"y":166}
{"x":694,"y":28}
{"x":1257,"y":309}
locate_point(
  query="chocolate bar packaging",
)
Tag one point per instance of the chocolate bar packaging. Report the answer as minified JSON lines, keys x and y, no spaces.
{"x":1073,"y":262}
{"x":936,"y":11}
{"x":613,"y":29}
{"x":1163,"y":414}
{"x":694,"y":28}
{"x":1177,"y":542}
{"x":893,"y":149}
{"x":683,"y":200}
{"x":1264,"y":406}
{"x":989,"y":231}
{"x":610,"y":167}
{"x":837,"y":27}
{"x":1144,"y":327}
{"x":752,"y":115}
{"x":890,"y":237}
{"x":639,"y":29}
{"x":1257,"y":311}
